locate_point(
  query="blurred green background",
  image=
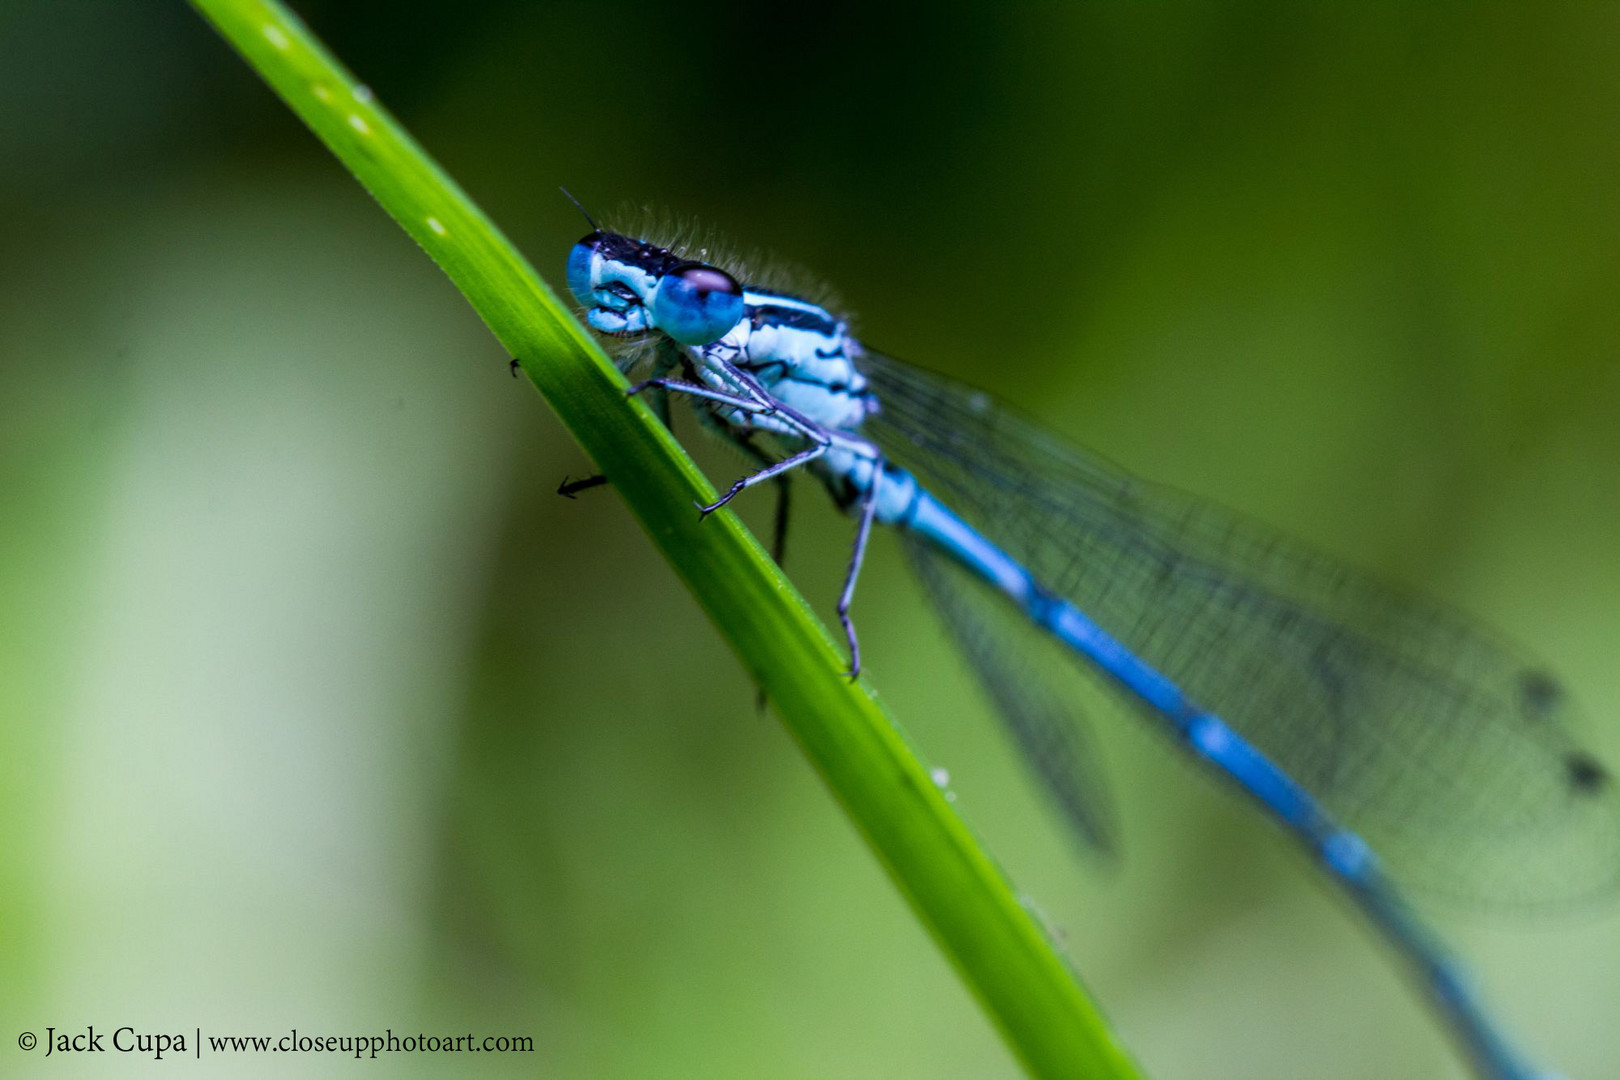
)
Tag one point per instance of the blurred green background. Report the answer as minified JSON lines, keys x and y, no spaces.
{"x":321,"y":710}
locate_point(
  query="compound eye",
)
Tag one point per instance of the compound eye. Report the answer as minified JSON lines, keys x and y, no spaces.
{"x":579,"y":268}
{"x":697,"y":304}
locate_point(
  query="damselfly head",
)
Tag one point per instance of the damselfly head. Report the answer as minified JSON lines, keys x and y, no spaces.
{"x":629,"y":286}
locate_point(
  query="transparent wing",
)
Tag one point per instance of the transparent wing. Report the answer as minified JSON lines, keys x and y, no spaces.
{"x":1442,"y":744}
{"x":1022,"y":671}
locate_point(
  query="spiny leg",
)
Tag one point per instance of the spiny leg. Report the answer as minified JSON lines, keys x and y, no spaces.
{"x":793,"y":461}
{"x":569,"y":488}
{"x":822,"y":440}
{"x":779,"y":527}
{"x":784,"y":486}
{"x":665,"y":359}
{"x":757,"y":402}
{"x":862,"y":535}
{"x":747,"y":382}
{"x":675,"y":386}
{"x":784,"y":489}
{"x":657,"y":399}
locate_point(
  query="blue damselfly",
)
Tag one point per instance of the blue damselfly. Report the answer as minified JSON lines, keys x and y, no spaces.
{"x":1334,"y":701}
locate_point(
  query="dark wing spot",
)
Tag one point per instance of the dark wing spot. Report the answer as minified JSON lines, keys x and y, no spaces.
{"x":1585,"y":774}
{"x":1540,"y":694}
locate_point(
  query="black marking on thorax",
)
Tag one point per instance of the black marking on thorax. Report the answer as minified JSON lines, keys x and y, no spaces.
{"x":792,"y":317}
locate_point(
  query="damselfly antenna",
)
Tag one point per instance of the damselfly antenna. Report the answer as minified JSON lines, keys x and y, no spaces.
{"x":583,"y":212}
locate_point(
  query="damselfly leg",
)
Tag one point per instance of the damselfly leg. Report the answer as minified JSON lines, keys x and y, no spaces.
{"x":869,"y":504}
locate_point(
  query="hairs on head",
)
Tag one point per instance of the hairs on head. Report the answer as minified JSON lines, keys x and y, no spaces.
{"x":687,"y":239}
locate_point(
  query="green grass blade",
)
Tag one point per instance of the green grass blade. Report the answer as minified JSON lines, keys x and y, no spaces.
{"x":954,"y":886}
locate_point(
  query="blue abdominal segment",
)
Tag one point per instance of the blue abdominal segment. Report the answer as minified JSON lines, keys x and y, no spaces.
{"x":1323,"y":696}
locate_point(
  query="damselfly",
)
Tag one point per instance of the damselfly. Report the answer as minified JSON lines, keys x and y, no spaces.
{"x":1332,"y":700}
